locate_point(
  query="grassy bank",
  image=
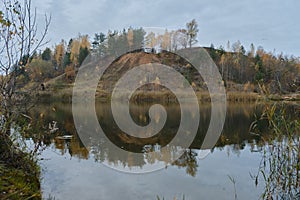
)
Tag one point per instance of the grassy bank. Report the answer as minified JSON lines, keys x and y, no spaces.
{"x":58,"y":90}
{"x":19,"y":173}
{"x":64,"y":94}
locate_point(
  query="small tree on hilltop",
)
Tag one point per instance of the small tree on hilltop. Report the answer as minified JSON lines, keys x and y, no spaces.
{"x":192,"y":31}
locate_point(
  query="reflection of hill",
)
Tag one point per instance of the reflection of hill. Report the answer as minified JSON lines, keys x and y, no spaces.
{"x":237,"y":124}
{"x":235,"y":133}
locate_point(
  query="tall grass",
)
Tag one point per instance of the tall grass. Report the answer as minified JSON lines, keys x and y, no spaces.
{"x":280,"y":165}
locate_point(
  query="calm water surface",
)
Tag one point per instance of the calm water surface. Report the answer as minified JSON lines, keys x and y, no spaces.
{"x":72,"y":171}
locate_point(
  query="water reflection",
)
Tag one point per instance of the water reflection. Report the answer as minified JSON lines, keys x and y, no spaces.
{"x":235,"y":133}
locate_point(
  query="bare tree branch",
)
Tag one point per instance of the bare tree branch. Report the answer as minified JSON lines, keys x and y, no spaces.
{"x":19,"y":39}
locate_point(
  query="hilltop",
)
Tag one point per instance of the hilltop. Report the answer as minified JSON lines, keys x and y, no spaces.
{"x":244,"y":76}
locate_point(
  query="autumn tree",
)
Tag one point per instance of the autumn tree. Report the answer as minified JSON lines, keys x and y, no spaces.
{"x":182,"y":38}
{"x":40,"y":70}
{"x":74,"y":52}
{"x":84,"y":42}
{"x":252,"y":51}
{"x":236,"y":47}
{"x":84,"y":50}
{"x":192,"y":31}
{"x":238,"y":51}
{"x":59,"y":53}
{"x":166,"y":41}
{"x":150,"y":40}
{"x":117,"y":42}
{"x":174,"y":40}
{"x":79,"y":49}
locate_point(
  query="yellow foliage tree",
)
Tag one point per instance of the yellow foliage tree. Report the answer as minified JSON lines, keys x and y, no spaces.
{"x":59,"y":53}
{"x":151,"y":40}
{"x":75,"y":48}
{"x":80,"y":43}
{"x":166,"y":41}
{"x":84,"y":42}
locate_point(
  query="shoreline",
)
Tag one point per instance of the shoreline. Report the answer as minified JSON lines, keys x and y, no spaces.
{"x":65,"y":96}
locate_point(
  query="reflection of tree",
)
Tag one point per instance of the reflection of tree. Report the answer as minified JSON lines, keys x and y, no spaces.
{"x":71,"y":146}
{"x":103,"y":153}
{"x":189,"y":161}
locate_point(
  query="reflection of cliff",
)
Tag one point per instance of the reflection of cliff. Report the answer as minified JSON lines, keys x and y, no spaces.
{"x":235,"y":133}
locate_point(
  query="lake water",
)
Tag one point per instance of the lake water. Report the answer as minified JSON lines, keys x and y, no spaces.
{"x":71,"y":170}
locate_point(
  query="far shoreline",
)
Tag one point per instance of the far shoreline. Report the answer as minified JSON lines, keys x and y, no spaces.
{"x":65,"y":96}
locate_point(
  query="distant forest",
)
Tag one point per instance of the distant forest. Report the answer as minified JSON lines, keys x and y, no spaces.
{"x":241,"y":70}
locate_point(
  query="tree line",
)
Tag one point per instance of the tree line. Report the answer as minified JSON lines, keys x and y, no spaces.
{"x":241,"y":70}
{"x":277,"y":73}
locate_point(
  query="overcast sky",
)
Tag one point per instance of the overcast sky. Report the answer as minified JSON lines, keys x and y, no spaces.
{"x":273,"y":24}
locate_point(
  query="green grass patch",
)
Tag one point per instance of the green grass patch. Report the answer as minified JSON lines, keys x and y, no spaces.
{"x":19,"y":172}
{"x":18,"y":184}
